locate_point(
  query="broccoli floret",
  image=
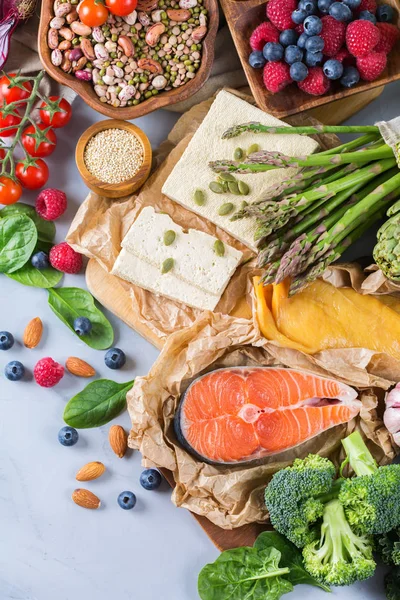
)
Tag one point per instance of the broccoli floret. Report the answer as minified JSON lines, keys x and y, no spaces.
{"x":339,"y":557}
{"x":295,"y":497}
{"x":371,"y":500}
{"x":388,"y":547}
{"x":392,"y":584}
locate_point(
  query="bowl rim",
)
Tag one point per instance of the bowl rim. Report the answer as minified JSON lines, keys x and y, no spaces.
{"x":85,"y":89}
{"x":124,"y":187}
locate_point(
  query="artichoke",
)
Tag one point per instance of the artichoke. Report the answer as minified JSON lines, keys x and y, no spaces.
{"x":387,"y":250}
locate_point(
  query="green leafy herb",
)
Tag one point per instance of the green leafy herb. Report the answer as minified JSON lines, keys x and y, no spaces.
{"x":244,"y":573}
{"x":291,"y":558}
{"x":69,"y":303}
{"x":18,"y":237}
{"x":98,"y":403}
{"x":41,"y":278}
{"x":46,"y":229}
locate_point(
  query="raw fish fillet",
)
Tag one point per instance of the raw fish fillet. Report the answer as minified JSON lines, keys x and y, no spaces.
{"x":239,"y":414}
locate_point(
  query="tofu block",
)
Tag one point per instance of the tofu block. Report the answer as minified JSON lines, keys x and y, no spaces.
{"x":149,"y":277}
{"x":195,"y":260}
{"x":192,"y":171}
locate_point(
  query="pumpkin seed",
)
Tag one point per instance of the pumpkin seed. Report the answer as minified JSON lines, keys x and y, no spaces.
{"x":227,"y":176}
{"x":169,"y":237}
{"x":243,"y":204}
{"x":216,"y":187}
{"x":253,"y":148}
{"x":225,"y":186}
{"x":225,"y":209}
{"x":238,"y":154}
{"x":219,"y":248}
{"x":167,"y":265}
{"x":233,"y":187}
{"x":243,"y":188}
{"x":199,"y":198}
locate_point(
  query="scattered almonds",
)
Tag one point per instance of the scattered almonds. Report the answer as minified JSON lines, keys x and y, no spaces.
{"x":118,"y":440}
{"x":92,"y":470}
{"x":85,"y":498}
{"x":80,"y":368}
{"x":33,"y":333}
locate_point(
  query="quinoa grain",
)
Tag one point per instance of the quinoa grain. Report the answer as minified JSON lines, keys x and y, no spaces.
{"x":113,"y":155}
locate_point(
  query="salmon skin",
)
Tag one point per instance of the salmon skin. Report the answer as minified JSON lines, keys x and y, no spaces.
{"x":240,"y":414}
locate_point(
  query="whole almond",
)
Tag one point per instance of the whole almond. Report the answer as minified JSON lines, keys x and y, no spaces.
{"x":80,"y":368}
{"x":33,"y":333}
{"x":85,"y":498}
{"x":92,"y":470}
{"x":118,"y":440}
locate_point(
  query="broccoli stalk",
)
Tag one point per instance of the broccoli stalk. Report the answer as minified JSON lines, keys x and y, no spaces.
{"x":372,"y":499}
{"x":339,"y":557}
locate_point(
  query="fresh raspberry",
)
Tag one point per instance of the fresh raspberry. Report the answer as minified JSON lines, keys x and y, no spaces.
{"x":372,"y":65}
{"x":299,"y":28}
{"x":345,"y":58}
{"x":333,"y":33}
{"x":369,"y":5}
{"x":48,"y":372}
{"x":389,"y":37}
{"x":316,"y":83}
{"x":266,"y":32}
{"x":64,"y":258}
{"x":276,"y":76}
{"x":279,"y":12}
{"x":51,"y":204}
{"x":361,"y":37}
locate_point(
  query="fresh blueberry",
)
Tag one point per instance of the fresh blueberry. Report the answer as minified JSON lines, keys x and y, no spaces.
{"x":385,"y":13}
{"x":68,"y":436}
{"x":150,"y":479}
{"x":288,"y":37}
{"x":333,"y":69}
{"x":40,"y":260}
{"x":314,"y":59}
{"x":324,"y":6}
{"x":366,"y":15}
{"x":6,"y":340}
{"x":309,"y":6}
{"x":350,"y":77}
{"x":273,"y":51}
{"x":115,"y":358}
{"x":298,"y":16}
{"x":352,"y":4}
{"x":127,"y":500}
{"x":312,"y":25}
{"x":256,"y":60}
{"x":298,"y":71}
{"x":82,"y":326}
{"x":14,"y":370}
{"x":293,"y":54}
{"x":301,"y":42}
{"x":340,"y":12}
{"x":315,"y":44}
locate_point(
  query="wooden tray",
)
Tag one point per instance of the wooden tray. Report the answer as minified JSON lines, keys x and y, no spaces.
{"x":243,"y":16}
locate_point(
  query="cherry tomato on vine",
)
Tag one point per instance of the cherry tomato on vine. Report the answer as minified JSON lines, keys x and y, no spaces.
{"x":8,"y":121}
{"x":43,"y":149}
{"x":12,"y":94}
{"x":121,"y":8}
{"x":34,"y":176}
{"x":58,"y":119}
{"x":10,"y":191}
{"x":93,"y":13}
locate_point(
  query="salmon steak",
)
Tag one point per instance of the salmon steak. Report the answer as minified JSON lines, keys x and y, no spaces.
{"x":241,"y":414}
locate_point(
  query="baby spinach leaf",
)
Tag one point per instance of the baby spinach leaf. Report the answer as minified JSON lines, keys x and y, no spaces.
{"x":244,"y":573}
{"x":18,"y":237}
{"x":98,"y":403}
{"x":69,"y":303}
{"x":41,"y":278}
{"x":291,"y":558}
{"x":46,"y":229}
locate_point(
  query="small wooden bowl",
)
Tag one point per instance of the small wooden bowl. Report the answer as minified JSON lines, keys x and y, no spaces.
{"x":113,"y":190}
{"x":85,"y":89}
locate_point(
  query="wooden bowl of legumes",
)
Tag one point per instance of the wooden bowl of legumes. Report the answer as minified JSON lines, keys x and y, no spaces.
{"x":160,"y":54}
{"x":113,"y":158}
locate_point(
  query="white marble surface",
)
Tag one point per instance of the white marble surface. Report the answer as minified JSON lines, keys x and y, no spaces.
{"x":49,"y":548}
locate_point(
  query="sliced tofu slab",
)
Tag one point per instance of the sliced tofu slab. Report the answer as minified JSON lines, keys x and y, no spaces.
{"x":192,"y":171}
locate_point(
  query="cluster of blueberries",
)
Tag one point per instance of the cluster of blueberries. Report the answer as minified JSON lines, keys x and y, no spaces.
{"x":306,"y":50}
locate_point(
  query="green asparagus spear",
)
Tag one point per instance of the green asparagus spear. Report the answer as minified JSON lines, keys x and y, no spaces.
{"x":307,"y":130}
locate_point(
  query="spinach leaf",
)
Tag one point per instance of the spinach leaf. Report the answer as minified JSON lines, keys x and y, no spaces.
{"x":41,"y":278}
{"x":18,"y":237}
{"x":69,"y":303}
{"x":244,"y":573}
{"x":291,"y":558}
{"x":46,"y":229}
{"x":98,"y":403}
